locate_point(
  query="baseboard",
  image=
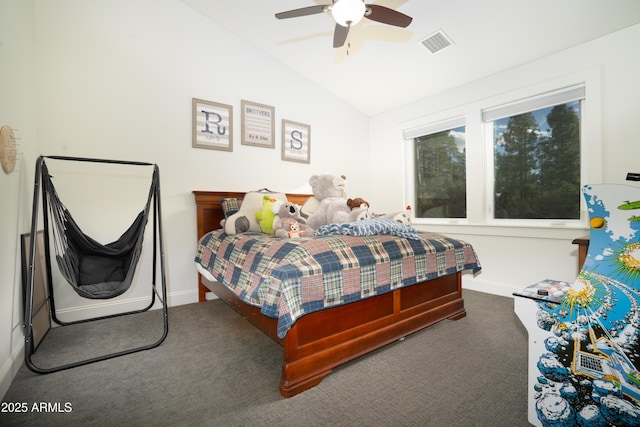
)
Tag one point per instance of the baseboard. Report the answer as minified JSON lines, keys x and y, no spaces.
{"x":182,"y":298}
{"x":489,"y":287}
{"x":10,"y":369}
{"x":108,"y":307}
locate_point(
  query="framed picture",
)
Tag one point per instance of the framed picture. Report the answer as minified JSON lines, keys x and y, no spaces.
{"x":40,"y":314}
{"x":258,"y":124}
{"x":296,"y":142}
{"x":212,"y":125}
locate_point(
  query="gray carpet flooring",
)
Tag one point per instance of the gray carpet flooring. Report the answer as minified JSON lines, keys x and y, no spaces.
{"x":216,"y":369}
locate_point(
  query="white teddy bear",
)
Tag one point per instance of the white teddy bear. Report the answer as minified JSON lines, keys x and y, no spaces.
{"x":328,"y":200}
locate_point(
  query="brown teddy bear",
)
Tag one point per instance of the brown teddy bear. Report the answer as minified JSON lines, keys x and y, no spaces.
{"x":357,"y":202}
{"x":294,"y":229}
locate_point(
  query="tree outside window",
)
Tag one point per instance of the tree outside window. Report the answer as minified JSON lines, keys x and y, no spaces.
{"x":537,"y":164}
{"x":440,"y":178}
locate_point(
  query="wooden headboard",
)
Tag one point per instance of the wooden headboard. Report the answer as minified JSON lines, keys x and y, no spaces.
{"x":209,"y":212}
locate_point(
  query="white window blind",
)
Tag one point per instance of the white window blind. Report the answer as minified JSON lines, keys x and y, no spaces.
{"x":573,"y":93}
{"x":433,"y":128}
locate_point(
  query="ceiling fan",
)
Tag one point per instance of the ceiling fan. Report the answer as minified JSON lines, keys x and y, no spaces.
{"x":347,"y":13}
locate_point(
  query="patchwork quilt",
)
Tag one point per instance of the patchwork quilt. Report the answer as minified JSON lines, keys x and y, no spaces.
{"x":288,"y":278}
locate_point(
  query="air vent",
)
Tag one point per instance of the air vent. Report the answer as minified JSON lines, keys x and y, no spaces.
{"x":436,"y":41}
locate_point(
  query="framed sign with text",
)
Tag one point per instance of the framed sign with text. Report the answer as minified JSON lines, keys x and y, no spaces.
{"x":296,"y":142}
{"x":258,"y":124}
{"x":212,"y":125}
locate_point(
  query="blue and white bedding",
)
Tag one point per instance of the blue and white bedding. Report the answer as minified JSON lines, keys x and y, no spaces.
{"x":369,"y":227}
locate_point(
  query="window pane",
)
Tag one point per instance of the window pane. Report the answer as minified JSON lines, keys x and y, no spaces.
{"x":440,"y":180}
{"x":537,"y":164}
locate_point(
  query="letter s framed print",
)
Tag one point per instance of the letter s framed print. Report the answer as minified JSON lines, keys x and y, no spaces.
{"x":296,"y":142}
{"x":212,"y":125}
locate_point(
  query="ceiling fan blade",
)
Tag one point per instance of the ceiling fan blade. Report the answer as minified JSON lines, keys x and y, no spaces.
{"x":311,"y":10}
{"x":387,"y":16}
{"x":340,"y":35}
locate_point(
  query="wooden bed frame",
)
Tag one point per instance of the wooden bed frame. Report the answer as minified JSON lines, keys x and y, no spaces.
{"x":322,"y":340}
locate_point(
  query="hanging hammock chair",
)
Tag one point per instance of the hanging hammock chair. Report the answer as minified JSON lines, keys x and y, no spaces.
{"x":94,"y":270}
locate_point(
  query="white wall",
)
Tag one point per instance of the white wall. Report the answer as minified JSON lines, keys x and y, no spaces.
{"x":17,"y":101}
{"x":514,"y":258}
{"x":114,"y":79}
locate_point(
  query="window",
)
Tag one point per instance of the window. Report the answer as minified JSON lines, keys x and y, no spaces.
{"x":440,"y":174}
{"x":536,"y":157}
{"x":517,"y":163}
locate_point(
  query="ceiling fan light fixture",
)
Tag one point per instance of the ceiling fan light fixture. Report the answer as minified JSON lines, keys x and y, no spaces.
{"x":348,"y":12}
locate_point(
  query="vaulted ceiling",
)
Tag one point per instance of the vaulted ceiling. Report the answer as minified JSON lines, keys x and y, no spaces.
{"x":382,"y":67}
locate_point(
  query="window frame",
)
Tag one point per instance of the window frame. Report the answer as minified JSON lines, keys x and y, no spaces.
{"x":560,"y":96}
{"x":443,"y":125}
{"x":410,"y":169}
{"x":480,"y":155}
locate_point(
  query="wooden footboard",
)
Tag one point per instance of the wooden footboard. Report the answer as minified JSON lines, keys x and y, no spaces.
{"x":322,"y":340}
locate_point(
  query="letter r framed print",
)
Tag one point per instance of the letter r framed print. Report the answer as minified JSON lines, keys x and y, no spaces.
{"x":212,"y":125}
{"x":296,"y":142}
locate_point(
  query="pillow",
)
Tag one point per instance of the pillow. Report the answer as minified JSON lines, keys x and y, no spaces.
{"x":230,"y":206}
{"x":100,"y":269}
{"x":245,"y":218}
